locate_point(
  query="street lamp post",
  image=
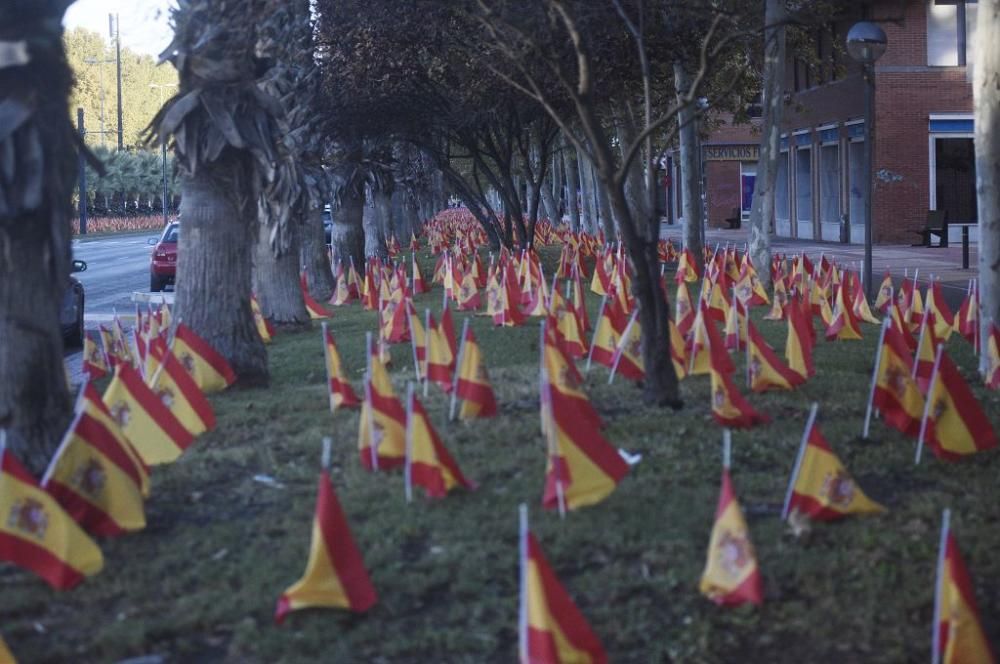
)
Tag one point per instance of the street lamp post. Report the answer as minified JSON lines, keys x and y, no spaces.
{"x":163,"y":147}
{"x":866,"y":42}
{"x":117,"y":36}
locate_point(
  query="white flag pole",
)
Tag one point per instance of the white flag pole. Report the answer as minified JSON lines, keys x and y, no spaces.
{"x":927,"y":404}
{"x":727,"y":448}
{"x":886,"y":322}
{"x":326,"y":361}
{"x":413,"y":343}
{"x":749,"y":355}
{"x":920,"y":342}
{"x":408,"y":467}
{"x":597,"y":326}
{"x":936,"y":620}
{"x":458,"y":368}
{"x":522,"y":621}
{"x":372,"y":443}
{"x":327,"y":448}
{"x":798,"y":459}
{"x":427,"y":348}
{"x":553,"y":445}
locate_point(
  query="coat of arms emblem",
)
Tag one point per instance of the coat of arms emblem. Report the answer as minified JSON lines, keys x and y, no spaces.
{"x":28,"y":515}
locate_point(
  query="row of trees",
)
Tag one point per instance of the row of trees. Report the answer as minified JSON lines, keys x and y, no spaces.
{"x":130,"y":182}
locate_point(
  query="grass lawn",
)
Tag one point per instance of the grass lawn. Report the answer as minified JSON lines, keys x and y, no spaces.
{"x":201,"y":582}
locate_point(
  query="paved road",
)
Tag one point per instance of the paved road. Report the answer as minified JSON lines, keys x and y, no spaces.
{"x":116,"y":267}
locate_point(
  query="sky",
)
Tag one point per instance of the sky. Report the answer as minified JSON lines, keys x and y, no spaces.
{"x":145,"y":26}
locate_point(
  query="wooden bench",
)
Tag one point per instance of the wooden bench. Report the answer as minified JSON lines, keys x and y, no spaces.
{"x":735,"y":219}
{"x":936,"y":224}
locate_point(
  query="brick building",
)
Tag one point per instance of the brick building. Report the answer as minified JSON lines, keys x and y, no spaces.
{"x":923,"y":159}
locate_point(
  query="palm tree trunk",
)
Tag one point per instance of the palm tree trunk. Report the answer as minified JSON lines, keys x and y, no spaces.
{"x":35,"y":405}
{"x":987,"y":139}
{"x":214,"y":262}
{"x":348,"y":237}
{"x":587,"y":221}
{"x":315,"y":258}
{"x":572,"y":178}
{"x":276,"y":280}
{"x":374,"y":236}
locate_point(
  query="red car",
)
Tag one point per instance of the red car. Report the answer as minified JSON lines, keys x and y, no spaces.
{"x":163,"y":263}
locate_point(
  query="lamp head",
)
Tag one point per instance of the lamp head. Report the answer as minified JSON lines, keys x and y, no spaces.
{"x":866,"y":42}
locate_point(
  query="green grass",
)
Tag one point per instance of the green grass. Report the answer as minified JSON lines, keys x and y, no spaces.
{"x":200,"y":583}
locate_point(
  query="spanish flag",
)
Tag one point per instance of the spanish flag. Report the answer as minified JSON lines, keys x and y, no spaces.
{"x":957,"y":425}
{"x":156,"y":434}
{"x":565,"y":377}
{"x":766,"y":368}
{"x":821,"y":488}
{"x":440,"y":359}
{"x":687,"y":268}
{"x":382,"y":430}
{"x":211,"y":371}
{"x":966,"y":320}
{"x":958,"y":632}
{"x":729,"y":407}
{"x":178,"y":392}
{"x":779,"y":302}
{"x":896,"y":393}
{"x":678,"y":352}
{"x":899,"y":323}
{"x":628,"y":356}
{"x":564,"y":319}
{"x":731,"y":576}
{"x":37,"y":534}
{"x":418,"y":285}
{"x":860,"y":304}
{"x":89,"y":402}
{"x":799,"y":342}
{"x":611,"y":323}
{"x":844,"y":325}
{"x":927,"y":345}
{"x":342,"y":294}
{"x":735,"y":325}
{"x":551,"y":629}
{"x":6,"y":657}
{"x":943,"y":317}
{"x":340,"y":392}
{"x":95,"y":480}
{"x":473,"y":384}
{"x":95,"y":365}
{"x":993,"y":358}
{"x":885,"y":292}
{"x":335,"y":575}
{"x":583,"y":468}
{"x":428,"y":462}
{"x":683,"y":311}
{"x":264,"y":327}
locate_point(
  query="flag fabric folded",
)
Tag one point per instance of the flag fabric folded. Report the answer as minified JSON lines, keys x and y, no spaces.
{"x":341,"y":394}
{"x":382,"y":427}
{"x":90,"y":402}
{"x":896,"y":394}
{"x":822,"y":489}
{"x":959,"y":636}
{"x":944,"y":319}
{"x":146,"y":421}
{"x":885,"y":294}
{"x":440,"y":358}
{"x":95,"y":480}
{"x":335,"y":575}
{"x":766,"y":368}
{"x":729,"y":408}
{"x":844,"y":324}
{"x":731,"y":576}
{"x":956,"y":423}
{"x":418,"y":286}
{"x":209,"y":369}
{"x":927,"y":345}
{"x":37,"y":534}
{"x":95,"y":365}
{"x":552,"y":629}
{"x":628,"y":355}
{"x":179,"y":393}
{"x":564,"y":377}
{"x":314,"y":308}
{"x":473,"y":385}
{"x":799,"y":343}
{"x":428,"y":462}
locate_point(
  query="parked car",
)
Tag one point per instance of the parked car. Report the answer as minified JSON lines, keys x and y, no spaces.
{"x":163,"y":261}
{"x":71,"y":313}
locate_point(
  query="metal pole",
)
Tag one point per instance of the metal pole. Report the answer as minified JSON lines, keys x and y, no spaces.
{"x":118,"y":59}
{"x":164,"y":147}
{"x":870,"y":166}
{"x":83,"y":174}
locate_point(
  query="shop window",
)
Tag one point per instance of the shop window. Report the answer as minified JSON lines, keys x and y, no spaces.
{"x":803,"y":185}
{"x":781,"y":189}
{"x":856,"y":190}
{"x":829,"y":184}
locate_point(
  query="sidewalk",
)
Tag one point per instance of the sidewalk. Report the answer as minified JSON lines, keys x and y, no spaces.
{"x":899,"y":260}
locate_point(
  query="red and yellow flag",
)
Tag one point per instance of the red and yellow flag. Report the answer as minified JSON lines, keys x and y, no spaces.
{"x":885,"y":292}
{"x":583,"y":468}
{"x":335,"y":575}
{"x":687,"y":268}
{"x":564,"y":377}
{"x":552,"y":629}
{"x":993,"y":358}
{"x":927,"y":345}
{"x":731,"y":575}
{"x":565,"y":321}
{"x":799,"y":342}
{"x":678,"y":352}
{"x":339,"y":389}
{"x":473,"y":386}
{"x":944,"y":319}
{"x":264,"y":327}
{"x":95,"y":365}
{"x":211,"y":371}
{"x":960,"y":638}
{"x":95,"y":480}
{"x":419,"y":285}
{"x":628,"y":356}
{"x":146,"y":421}
{"x":179,"y":393}
{"x":844,"y":324}
{"x":822,"y":489}
{"x":611,"y":323}
{"x":90,"y":402}
{"x":440,"y":358}
{"x":428,"y":462}
{"x":683,"y":311}
{"x":729,"y":407}
{"x":382,"y":429}
{"x":766,"y":368}
{"x":957,"y":425}
{"x":896,"y":393}
{"x":6,"y":657}
{"x":37,"y":534}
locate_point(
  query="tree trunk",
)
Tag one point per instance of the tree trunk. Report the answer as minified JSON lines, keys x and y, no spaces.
{"x":604,"y":210}
{"x":383,"y":214}
{"x":374,"y":236}
{"x":276,"y":280}
{"x":35,"y":405}
{"x":773,"y":98}
{"x":635,"y":189}
{"x":572,"y":178}
{"x":403,"y":226}
{"x":214,"y":262}
{"x":690,"y":170}
{"x":987,"y":108}
{"x":348,"y":237}
{"x":588,"y":220}
{"x":319,"y":276}
{"x":549,"y":206}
